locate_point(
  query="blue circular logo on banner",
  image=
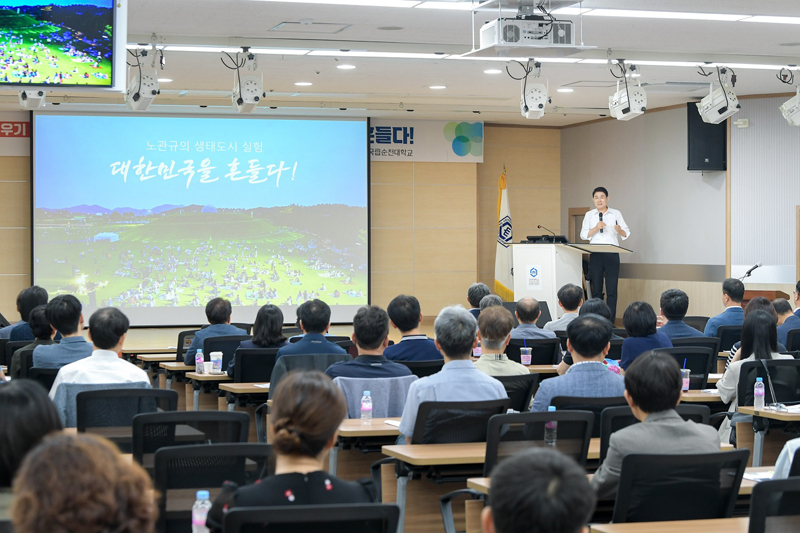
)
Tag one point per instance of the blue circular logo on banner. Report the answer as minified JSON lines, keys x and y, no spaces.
{"x":534,"y":272}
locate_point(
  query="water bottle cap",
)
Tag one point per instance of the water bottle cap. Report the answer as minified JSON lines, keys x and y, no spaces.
{"x":366,"y":393}
{"x":199,"y":350}
{"x":551,"y":408}
{"x":202,"y":495}
{"x":759,"y":379}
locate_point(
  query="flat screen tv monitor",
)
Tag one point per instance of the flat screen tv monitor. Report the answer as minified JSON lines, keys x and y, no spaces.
{"x":157,"y":215}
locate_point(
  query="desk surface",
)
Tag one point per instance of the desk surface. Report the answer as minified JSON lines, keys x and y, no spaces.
{"x":768,"y":413}
{"x":543,"y":369}
{"x":149,"y":351}
{"x":162,"y":357}
{"x":377,"y":428}
{"x":208,"y":377}
{"x":698,"y":396}
{"x":245,"y":388}
{"x":721,"y":525}
{"x":713,"y":378}
{"x":177,"y":367}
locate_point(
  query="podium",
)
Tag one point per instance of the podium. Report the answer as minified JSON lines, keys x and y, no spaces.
{"x":769,"y":295}
{"x":541,"y":269}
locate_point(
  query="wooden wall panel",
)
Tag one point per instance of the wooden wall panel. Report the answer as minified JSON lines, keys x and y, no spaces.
{"x":15,"y":168}
{"x":445,"y":206}
{"x":391,"y":172}
{"x":15,"y":231}
{"x":16,"y":210}
{"x":387,"y":285}
{"x":435,"y":290}
{"x":392,"y":250}
{"x":392,"y":206}
{"x":445,"y":250}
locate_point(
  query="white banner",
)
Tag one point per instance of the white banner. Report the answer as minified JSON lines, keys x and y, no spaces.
{"x":428,"y":141}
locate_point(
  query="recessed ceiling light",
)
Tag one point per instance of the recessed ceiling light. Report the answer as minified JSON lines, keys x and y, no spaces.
{"x":164,"y":80}
{"x":303,"y":83}
{"x":437,"y":87}
{"x":346,"y":67}
{"x":492,"y":71}
{"x":565,"y":90}
{"x":390,"y":28}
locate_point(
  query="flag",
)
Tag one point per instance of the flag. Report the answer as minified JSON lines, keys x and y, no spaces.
{"x":503,"y":263}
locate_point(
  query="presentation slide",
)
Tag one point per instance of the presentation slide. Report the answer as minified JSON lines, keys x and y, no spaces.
{"x":157,"y":215}
{"x":56,"y":42}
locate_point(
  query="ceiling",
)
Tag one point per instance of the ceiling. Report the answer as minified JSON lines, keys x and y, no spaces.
{"x":380,"y":87}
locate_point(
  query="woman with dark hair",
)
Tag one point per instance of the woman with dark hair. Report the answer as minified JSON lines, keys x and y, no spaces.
{"x":759,"y":303}
{"x":82,"y":483}
{"x":640,"y":323}
{"x":266,"y":332}
{"x":759,"y":341}
{"x":26,"y":416}
{"x":306,"y":412}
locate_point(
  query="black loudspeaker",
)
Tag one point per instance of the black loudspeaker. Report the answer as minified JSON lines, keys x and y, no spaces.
{"x":708,"y":143}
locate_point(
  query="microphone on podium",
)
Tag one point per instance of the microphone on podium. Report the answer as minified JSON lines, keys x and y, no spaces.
{"x":601,"y":219}
{"x":747,"y":274}
{"x":551,"y":231}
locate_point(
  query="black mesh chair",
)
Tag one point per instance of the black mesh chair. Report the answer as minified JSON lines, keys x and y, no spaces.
{"x":615,"y":352}
{"x":794,"y":470}
{"x":11,"y":347}
{"x":620,"y":332}
{"x":44,"y":376}
{"x":698,"y":360}
{"x":562,"y":338}
{"x":3,"y":361}
{"x":25,"y":363}
{"x":543,"y":351}
{"x":291,"y":331}
{"x":6,"y":526}
{"x":702,"y":342}
{"x":254,"y":365}
{"x":153,"y":431}
{"x":696,"y":322}
{"x":179,"y":468}
{"x":311,"y":361}
{"x":775,"y":506}
{"x":227,"y":344}
{"x":655,"y":488}
{"x":520,"y":390}
{"x":423,"y":368}
{"x":353,"y":518}
{"x":451,"y":422}
{"x":185,"y":339}
{"x":793,"y":340}
{"x":241,"y":325}
{"x":594,"y":405}
{"x":613,"y":419}
{"x":784,"y":375}
{"x":330,"y":338}
{"x":349,"y":346}
{"x":728,"y":336}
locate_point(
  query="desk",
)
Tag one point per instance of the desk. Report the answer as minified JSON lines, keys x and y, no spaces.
{"x":351,"y":429}
{"x":150,"y":364}
{"x":713,"y":378}
{"x":543,"y":370}
{"x":758,"y":443}
{"x":197,"y":382}
{"x":698,"y":396}
{"x":720,"y":525}
{"x":233,"y":390}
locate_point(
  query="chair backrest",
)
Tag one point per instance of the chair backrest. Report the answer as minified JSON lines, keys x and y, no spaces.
{"x":330,"y":338}
{"x":785,"y":376}
{"x":202,"y":467}
{"x":697,"y":359}
{"x":317,"y":361}
{"x":595,"y":405}
{"x":352,"y":518}
{"x":291,"y":331}
{"x":451,"y":422}
{"x":543,"y":351}
{"x":13,"y":346}
{"x":241,"y":325}
{"x":254,"y":365}
{"x":656,"y":488}
{"x":227,"y":344}
{"x":620,"y":332}
{"x":153,"y":431}
{"x":615,"y":352}
{"x":3,"y":361}
{"x":520,"y":390}
{"x":349,"y":346}
{"x":794,"y":470}
{"x":775,"y":506}
{"x":422,"y":369}
{"x":510,"y":434}
{"x":44,"y":376}
{"x":696,"y":322}
{"x":6,"y":526}
{"x":562,"y":337}
{"x":703,"y":342}
{"x":66,"y":397}
{"x":388,"y":394}
{"x":613,"y":419}
{"x":26,"y":363}
{"x":728,"y":336}
{"x":185,"y":339}
{"x":793,"y":340}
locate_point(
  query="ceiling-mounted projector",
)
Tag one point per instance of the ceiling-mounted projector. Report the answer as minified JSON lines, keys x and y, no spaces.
{"x":627,"y":103}
{"x":791,"y":110}
{"x":32,"y":99}
{"x":720,"y":104}
{"x":533,"y":99}
{"x":247,"y":93}
{"x":524,"y":33}
{"x":142,"y":90}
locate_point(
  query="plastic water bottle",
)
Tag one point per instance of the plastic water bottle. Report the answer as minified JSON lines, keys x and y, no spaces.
{"x":366,"y":408}
{"x":550,"y":429}
{"x":200,"y":512}
{"x":758,"y":394}
{"x":199,"y":367}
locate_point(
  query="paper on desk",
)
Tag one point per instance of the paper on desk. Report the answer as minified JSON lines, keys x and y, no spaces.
{"x":759,"y":476}
{"x":711,"y":391}
{"x":261,"y":385}
{"x":793,"y":408}
{"x":395,"y":423}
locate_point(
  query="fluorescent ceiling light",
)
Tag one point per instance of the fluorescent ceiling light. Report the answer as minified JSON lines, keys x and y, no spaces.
{"x":368,"y":3}
{"x":596,"y":61}
{"x":664,"y":63}
{"x":493,"y":71}
{"x":356,"y":53}
{"x":773,"y":20}
{"x":437,"y":87}
{"x":164,"y":80}
{"x":280,"y":51}
{"x":303,"y":83}
{"x":345,"y":67}
{"x":565,"y":90}
{"x":632,"y":13}
{"x":209,"y":49}
{"x":571,"y":11}
{"x":454,"y":6}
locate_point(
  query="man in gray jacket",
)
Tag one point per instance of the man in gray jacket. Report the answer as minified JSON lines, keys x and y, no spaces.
{"x":653,"y":390}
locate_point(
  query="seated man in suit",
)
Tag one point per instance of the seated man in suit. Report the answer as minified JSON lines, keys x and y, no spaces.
{"x":371,"y":336}
{"x":732,"y":296}
{"x":796,"y":296}
{"x":107,"y":330}
{"x":674,"y":306}
{"x":539,"y":490}
{"x":653,"y":390}
{"x":405,"y":315}
{"x":570,"y":298}
{"x":475,"y":294}
{"x":528,"y":313}
{"x":787,"y":320}
{"x":494,"y":330}
{"x":30,"y":298}
{"x":64,"y":313}
{"x":459,"y":380}
{"x":42,"y":331}
{"x":588,"y":340}
{"x":6,"y":331}
{"x":218,"y":313}
{"x":314,"y":318}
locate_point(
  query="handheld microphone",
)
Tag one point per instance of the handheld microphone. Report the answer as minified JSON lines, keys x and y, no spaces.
{"x":747,"y":274}
{"x":551,"y":231}
{"x":601,"y":219}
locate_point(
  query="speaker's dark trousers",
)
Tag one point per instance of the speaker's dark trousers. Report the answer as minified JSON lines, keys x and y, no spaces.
{"x":605,"y":265}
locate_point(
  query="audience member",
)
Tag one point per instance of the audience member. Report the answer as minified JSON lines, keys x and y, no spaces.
{"x":640,"y":323}
{"x":107,"y":330}
{"x":32,"y":297}
{"x":314,"y":318}
{"x":570,"y":298}
{"x":81,"y":483}
{"x":759,"y":303}
{"x":593,"y":306}
{"x":733,"y":315}
{"x":653,"y":390}
{"x":64,"y":314}
{"x":43,"y":335}
{"x":539,"y":491}
{"x":405,"y":315}
{"x":588,"y":340}
{"x":475,"y":294}
{"x":306,"y":412}
{"x":785,"y":459}
{"x":674,"y":306}
{"x":490,"y":300}
{"x":27,"y":417}
{"x":371,"y":337}
{"x":796,"y":296}
{"x":218,"y":313}
{"x":494,"y":329}
{"x":459,"y":380}
{"x":266,"y":332}
{"x":528,"y":313}
{"x":6,"y":331}
{"x":759,"y":342}
{"x":787,"y":321}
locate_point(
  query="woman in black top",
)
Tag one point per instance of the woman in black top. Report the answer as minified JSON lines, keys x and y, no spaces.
{"x":266,"y":332}
{"x":306,"y":414}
